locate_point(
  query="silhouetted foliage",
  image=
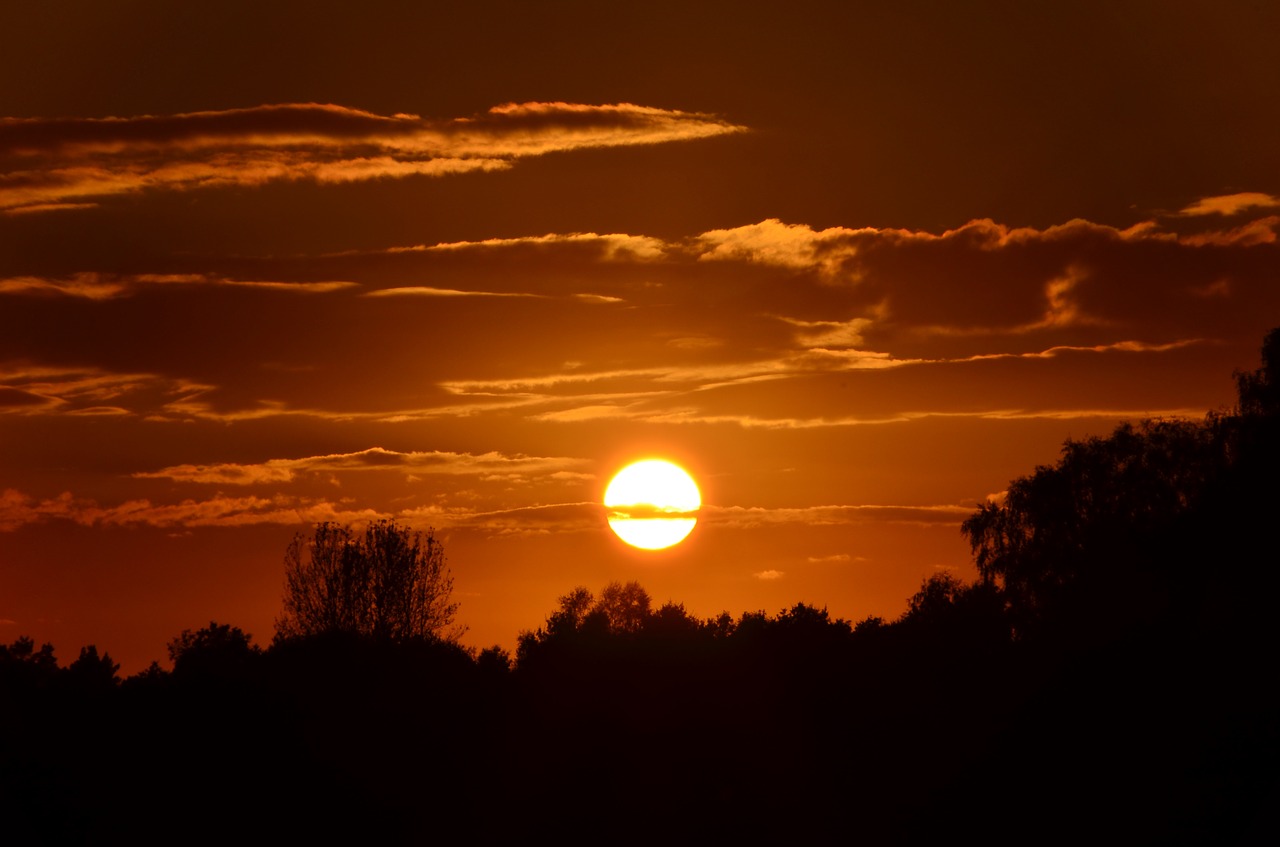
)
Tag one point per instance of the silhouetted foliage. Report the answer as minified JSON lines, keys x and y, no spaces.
{"x":1259,"y":391}
{"x":22,"y":665}
{"x":1086,"y":525}
{"x":91,"y":671}
{"x":494,"y":660}
{"x":386,"y":582}
{"x":626,"y":607}
{"x":1119,"y":530}
{"x":671,"y":621}
{"x":218,"y":651}
{"x":582,"y":619}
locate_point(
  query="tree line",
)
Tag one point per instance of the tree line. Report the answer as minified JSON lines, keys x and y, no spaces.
{"x":1108,"y":671}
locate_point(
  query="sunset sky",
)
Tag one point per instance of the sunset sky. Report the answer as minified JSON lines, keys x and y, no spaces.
{"x":854,"y":265}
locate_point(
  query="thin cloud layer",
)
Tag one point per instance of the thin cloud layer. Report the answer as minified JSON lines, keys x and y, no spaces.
{"x":18,"y":509}
{"x":985,"y":277}
{"x":54,"y":163}
{"x":27,"y":389}
{"x":485,"y":465}
{"x":761,"y":327}
{"x":102,"y":286}
{"x":746,"y":517}
{"x":612,"y":246}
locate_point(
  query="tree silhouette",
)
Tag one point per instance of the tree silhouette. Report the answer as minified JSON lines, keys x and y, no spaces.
{"x":625,"y":606}
{"x":1089,"y":525}
{"x":93,"y":672}
{"x":23,"y":666}
{"x":1119,"y":532}
{"x":388,"y":583}
{"x":218,"y":651}
{"x":1259,"y":391}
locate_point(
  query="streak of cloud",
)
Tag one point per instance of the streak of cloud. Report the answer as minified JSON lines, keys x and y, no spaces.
{"x":1230,"y":204}
{"x":426,"y":291}
{"x":373,"y":459}
{"x":38,"y":389}
{"x":743,"y":517}
{"x":55,"y":163}
{"x":612,"y":246}
{"x":100,"y":286}
{"x":18,"y":509}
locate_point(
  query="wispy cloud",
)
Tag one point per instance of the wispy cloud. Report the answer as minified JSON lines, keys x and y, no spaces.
{"x":36,"y":389}
{"x":102,"y":286}
{"x":1129,"y":346}
{"x":1230,"y":204}
{"x":1253,"y":233}
{"x":425,"y":291}
{"x":536,"y":519}
{"x":748,"y":421}
{"x":758,"y":516}
{"x":834,"y":558}
{"x":54,"y":163}
{"x":611,"y":246}
{"x":374,"y":459}
{"x":18,"y":509}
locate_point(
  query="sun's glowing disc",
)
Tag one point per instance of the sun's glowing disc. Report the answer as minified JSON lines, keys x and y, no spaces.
{"x":652,"y":504}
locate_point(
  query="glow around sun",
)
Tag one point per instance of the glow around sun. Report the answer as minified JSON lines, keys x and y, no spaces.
{"x":652,"y":504}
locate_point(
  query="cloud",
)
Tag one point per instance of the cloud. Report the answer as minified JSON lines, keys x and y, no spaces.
{"x":1129,"y":346}
{"x":54,"y":163}
{"x":732,"y":341}
{"x":18,"y":399}
{"x":748,"y":517}
{"x":689,"y":375}
{"x":832,"y":559}
{"x":423,"y":291}
{"x":830,"y":333}
{"x":1230,"y":204}
{"x":103,"y":286}
{"x":18,"y":509}
{"x":27,"y":389}
{"x":747,"y":421}
{"x":771,"y":242}
{"x":537,"y":519}
{"x":277,"y":471}
{"x":1261,"y":231}
{"x":611,"y":246}
{"x":986,"y":279}
{"x":676,"y":387}
{"x":768,"y":575}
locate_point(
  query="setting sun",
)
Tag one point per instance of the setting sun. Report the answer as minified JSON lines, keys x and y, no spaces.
{"x":652,"y":504}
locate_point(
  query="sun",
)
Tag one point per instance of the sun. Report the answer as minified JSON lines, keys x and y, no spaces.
{"x":652,"y":504}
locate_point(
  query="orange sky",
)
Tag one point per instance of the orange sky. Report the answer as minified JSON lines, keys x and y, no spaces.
{"x":854,"y":265}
